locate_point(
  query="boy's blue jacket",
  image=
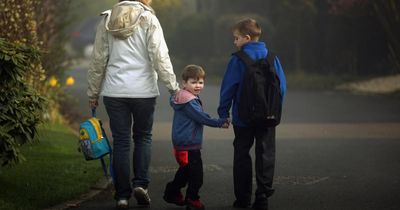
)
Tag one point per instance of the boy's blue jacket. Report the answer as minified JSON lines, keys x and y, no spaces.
{"x":189,"y":118}
{"x":232,"y":83}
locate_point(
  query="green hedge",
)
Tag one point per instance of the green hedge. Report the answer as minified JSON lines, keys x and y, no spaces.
{"x":21,"y":106}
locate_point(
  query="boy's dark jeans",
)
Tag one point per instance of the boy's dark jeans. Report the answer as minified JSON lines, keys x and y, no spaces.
{"x":130,"y":117}
{"x":242,"y":163}
{"x":191,"y":174}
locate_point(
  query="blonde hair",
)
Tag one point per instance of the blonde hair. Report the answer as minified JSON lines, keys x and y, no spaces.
{"x":249,"y":27}
{"x":193,"y":72}
{"x":145,"y":2}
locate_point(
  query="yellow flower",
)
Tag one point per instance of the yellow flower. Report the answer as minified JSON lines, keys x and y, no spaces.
{"x":70,"y":81}
{"x":53,"y":82}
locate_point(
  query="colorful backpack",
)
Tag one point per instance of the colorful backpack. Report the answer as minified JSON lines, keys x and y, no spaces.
{"x":93,"y":141}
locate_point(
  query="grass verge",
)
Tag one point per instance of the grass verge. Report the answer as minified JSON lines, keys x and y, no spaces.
{"x":54,"y":172}
{"x":307,"y":81}
{"x":301,"y":80}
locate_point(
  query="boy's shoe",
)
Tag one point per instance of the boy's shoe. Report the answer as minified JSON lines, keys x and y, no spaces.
{"x":142,"y":196}
{"x":122,"y":203}
{"x":176,"y":199}
{"x":260,"y":204}
{"x":240,"y":204}
{"x":194,"y":204}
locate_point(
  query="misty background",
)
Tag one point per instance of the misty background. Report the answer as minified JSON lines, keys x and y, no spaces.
{"x":340,"y":39}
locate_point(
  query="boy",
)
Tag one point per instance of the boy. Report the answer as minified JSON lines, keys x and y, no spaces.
{"x":246,"y":34}
{"x":187,"y":135}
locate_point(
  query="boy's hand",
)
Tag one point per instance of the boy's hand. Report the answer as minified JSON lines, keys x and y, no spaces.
{"x":226,"y":124}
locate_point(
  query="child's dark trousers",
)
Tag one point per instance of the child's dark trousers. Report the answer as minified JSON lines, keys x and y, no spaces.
{"x":191,"y":174}
{"x":264,"y":163}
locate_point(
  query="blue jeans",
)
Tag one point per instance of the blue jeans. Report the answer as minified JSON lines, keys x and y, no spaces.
{"x":130,"y":118}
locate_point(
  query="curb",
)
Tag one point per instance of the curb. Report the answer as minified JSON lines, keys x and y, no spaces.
{"x":99,"y":187}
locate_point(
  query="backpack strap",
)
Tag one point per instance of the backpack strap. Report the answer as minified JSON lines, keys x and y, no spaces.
{"x":244,"y":57}
{"x":271,"y":59}
{"x":102,"y":161}
{"x":248,"y":61}
{"x":94,"y":112}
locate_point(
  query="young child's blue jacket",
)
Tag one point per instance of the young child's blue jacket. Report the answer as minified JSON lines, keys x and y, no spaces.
{"x":189,"y":118}
{"x":232,"y":81}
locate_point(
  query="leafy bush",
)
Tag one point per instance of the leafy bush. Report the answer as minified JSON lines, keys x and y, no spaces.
{"x":20,"y":105}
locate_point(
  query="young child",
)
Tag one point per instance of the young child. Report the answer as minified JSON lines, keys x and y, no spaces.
{"x":246,"y":34}
{"x":187,"y":136}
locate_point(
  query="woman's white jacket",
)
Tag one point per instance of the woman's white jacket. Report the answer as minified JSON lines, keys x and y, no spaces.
{"x":129,"y":54}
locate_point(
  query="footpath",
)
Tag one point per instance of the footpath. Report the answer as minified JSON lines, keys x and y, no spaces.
{"x":331,"y":165}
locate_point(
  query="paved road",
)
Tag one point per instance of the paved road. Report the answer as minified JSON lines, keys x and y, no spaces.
{"x":335,"y":150}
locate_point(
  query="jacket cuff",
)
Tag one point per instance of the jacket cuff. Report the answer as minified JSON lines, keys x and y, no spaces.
{"x":93,"y":98}
{"x":224,"y":116}
{"x":173,"y":92}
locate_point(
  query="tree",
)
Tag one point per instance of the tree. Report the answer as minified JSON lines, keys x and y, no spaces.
{"x":30,"y":40}
{"x":21,"y":106}
{"x":19,"y":25}
{"x":388,"y":13}
{"x":385,"y":12}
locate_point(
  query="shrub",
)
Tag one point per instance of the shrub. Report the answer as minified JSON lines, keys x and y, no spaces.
{"x":20,"y":105}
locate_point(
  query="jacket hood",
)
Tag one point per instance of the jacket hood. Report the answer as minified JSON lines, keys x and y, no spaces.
{"x":123,"y":19}
{"x":182,"y":97}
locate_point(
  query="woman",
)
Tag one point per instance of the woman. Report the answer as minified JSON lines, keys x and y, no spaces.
{"x":129,"y":55}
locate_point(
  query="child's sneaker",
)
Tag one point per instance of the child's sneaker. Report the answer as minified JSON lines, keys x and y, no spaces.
{"x":194,"y":204}
{"x":174,"y":198}
{"x":122,"y":204}
{"x":260,"y":203}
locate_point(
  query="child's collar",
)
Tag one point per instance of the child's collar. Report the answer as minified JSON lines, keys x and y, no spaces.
{"x":183,"y":96}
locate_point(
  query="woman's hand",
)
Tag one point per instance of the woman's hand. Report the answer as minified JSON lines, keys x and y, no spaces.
{"x":93,"y":103}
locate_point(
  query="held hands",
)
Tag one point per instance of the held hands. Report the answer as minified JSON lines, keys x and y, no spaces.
{"x":226,"y":124}
{"x":173,"y":92}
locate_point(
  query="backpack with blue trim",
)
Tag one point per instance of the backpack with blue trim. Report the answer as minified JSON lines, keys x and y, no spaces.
{"x":260,"y":102}
{"x":93,"y":141}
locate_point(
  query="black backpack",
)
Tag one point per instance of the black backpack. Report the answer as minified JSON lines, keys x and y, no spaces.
{"x":260,"y":101}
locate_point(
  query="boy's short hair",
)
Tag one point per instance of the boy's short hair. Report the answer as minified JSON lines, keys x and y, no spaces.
{"x":194,"y":72}
{"x":249,"y":27}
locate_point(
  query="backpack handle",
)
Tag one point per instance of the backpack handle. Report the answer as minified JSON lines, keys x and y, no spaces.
{"x":94,"y":112}
{"x":271,"y":60}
